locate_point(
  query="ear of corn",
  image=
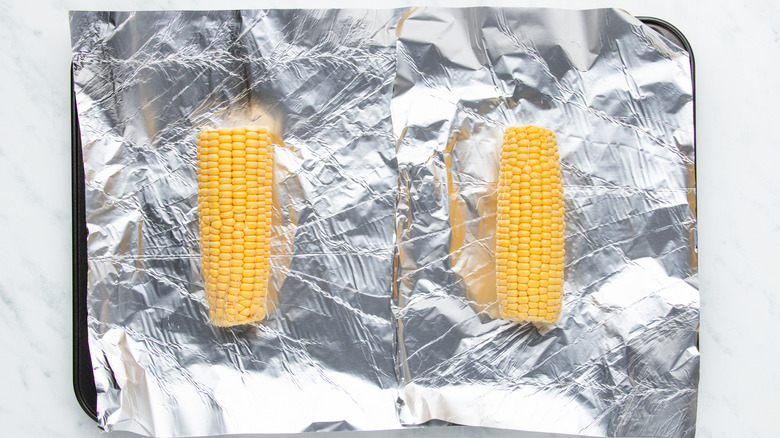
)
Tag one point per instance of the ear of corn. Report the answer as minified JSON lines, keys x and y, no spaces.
{"x":235,"y":177}
{"x":529,"y":244}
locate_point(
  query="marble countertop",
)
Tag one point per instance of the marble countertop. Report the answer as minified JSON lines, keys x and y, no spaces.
{"x":737,"y":50}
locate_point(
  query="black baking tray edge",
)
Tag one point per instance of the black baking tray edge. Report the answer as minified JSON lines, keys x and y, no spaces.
{"x":83,"y":378}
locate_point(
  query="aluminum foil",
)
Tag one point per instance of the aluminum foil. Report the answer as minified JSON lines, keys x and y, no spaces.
{"x":389,"y":124}
{"x":622,"y":360}
{"x":146,"y":83}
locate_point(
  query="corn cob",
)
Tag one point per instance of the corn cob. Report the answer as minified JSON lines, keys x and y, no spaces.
{"x":235,"y":177}
{"x":529,"y":243}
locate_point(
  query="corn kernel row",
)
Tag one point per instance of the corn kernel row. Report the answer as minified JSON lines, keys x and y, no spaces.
{"x":235,"y":177}
{"x":529,"y":240}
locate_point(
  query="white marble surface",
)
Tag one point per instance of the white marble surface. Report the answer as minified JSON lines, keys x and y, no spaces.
{"x":737,"y":49}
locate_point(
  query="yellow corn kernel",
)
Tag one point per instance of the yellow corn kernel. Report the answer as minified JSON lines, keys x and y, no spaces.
{"x":529,"y":243}
{"x":229,"y":230}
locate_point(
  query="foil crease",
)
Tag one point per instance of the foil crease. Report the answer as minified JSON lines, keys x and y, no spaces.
{"x":389,"y":125}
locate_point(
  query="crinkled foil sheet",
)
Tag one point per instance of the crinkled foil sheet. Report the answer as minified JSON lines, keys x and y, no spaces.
{"x":390,"y":124}
{"x":146,"y":83}
{"x":623,"y":359}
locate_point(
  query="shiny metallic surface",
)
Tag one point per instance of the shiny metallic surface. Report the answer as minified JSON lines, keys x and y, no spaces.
{"x":622,"y":360}
{"x":146,"y":83}
{"x":389,"y":125}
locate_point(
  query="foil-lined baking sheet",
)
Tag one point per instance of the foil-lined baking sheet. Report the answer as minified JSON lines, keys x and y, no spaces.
{"x":390,"y":123}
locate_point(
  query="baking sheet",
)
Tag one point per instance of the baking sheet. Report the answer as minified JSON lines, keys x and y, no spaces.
{"x":301,"y":111}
